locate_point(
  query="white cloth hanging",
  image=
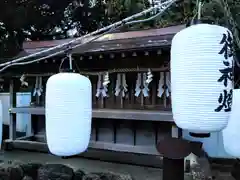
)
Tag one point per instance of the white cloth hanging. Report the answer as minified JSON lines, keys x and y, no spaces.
{"x":121,"y":85}
{"x":105,"y":90}
{"x":101,"y":90}
{"x":141,"y":81}
{"x":149,"y":77}
{"x":160,"y":85}
{"x":23,"y":82}
{"x":124,"y":85}
{"x":38,"y":87}
{"x":168,"y":84}
{"x":138,"y":85}
{"x":106,"y":79}
{"x":118,"y":85}
{"x":145,"y":89}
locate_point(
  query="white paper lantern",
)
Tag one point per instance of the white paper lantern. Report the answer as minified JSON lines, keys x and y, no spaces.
{"x":201,"y":78}
{"x":231,"y":134}
{"x":68,"y":113}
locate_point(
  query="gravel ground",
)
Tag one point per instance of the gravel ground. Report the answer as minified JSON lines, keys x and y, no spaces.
{"x":89,"y":166}
{"x":137,"y":172}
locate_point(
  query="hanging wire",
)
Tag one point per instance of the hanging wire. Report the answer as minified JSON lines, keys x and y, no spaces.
{"x":163,"y":7}
{"x":198,"y":10}
{"x":233,"y":25}
{"x":70,"y":62}
{"x":231,"y":21}
{"x":54,"y":54}
{"x":62,"y":61}
{"x":107,"y":29}
{"x":234,"y":29}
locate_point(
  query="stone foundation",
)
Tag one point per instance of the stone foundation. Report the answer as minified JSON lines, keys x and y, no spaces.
{"x":33,"y":171}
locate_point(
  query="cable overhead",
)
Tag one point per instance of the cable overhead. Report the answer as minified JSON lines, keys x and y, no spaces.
{"x":65,"y":47}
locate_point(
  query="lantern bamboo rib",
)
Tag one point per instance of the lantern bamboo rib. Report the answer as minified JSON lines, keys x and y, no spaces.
{"x":124,"y":70}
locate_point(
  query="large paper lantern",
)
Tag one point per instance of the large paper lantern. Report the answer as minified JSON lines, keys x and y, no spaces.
{"x":68,"y":113}
{"x":201,"y":78}
{"x":231,"y":134}
{"x":1,"y":122}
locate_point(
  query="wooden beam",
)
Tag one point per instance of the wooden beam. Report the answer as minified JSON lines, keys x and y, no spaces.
{"x":114,"y":41}
{"x":144,"y":115}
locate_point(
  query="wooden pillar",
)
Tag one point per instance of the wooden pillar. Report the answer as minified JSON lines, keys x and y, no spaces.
{"x":13,"y":121}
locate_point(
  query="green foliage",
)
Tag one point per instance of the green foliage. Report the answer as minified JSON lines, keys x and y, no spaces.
{"x":20,"y":19}
{"x":53,"y":19}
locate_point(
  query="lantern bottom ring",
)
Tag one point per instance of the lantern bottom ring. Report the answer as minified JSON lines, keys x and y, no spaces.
{"x":200,"y":135}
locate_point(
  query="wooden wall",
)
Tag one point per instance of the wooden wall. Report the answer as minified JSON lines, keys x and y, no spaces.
{"x":121,"y":134}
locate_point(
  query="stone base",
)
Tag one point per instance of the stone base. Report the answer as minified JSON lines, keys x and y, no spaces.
{"x":33,"y":171}
{"x":6,"y":132}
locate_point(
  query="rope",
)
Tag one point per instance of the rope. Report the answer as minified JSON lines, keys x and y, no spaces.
{"x":66,"y":46}
{"x":124,"y":70}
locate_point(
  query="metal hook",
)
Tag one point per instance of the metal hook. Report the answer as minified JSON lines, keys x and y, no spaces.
{"x":70,"y":62}
{"x":199,"y":10}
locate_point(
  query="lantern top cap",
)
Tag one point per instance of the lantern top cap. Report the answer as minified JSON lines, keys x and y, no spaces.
{"x":66,"y":76}
{"x":203,"y":28}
